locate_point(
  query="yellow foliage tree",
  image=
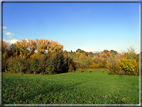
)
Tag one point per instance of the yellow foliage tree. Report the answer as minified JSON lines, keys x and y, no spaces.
{"x":4,"y":46}
{"x":41,"y":45}
{"x":93,"y":65}
{"x":81,"y":57}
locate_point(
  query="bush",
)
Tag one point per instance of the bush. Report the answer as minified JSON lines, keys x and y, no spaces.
{"x":130,"y":66}
{"x":125,"y":63}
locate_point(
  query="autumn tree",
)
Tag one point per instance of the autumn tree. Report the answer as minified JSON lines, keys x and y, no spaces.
{"x":89,"y":63}
{"x":93,"y":65}
{"x":23,"y":55}
{"x":23,"y":46}
{"x":81,"y":57}
{"x":105,"y":51}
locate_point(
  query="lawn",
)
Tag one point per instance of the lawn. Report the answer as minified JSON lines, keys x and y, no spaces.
{"x":70,"y":88}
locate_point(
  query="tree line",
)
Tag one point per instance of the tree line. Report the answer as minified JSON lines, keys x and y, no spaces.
{"x":125,"y":63}
{"x":36,"y":56}
{"x":48,"y":57}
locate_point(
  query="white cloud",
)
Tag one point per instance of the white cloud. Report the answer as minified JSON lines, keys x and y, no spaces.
{"x":13,"y":41}
{"x":3,"y":27}
{"x":8,"y":33}
{"x":9,"y":42}
{"x":92,"y":50}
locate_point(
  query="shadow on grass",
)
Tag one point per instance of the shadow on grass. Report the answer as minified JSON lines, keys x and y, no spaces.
{"x":46,"y":90}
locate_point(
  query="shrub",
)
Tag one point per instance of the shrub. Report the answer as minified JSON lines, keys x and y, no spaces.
{"x":122,"y":72}
{"x":130,"y":66}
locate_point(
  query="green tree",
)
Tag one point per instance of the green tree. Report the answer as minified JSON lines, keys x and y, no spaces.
{"x":34,"y":65}
{"x":50,"y":66}
{"x":42,"y":63}
{"x":16,"y":66}
{"x":10,"y":63}
{"x":55,"y":63}
{"x":23,"y":64}
{"x":115,"y":52}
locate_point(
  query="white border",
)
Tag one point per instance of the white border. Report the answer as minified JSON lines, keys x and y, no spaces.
{"x":81,"y":1}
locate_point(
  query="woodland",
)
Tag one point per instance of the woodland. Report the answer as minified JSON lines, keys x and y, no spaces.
{"x":41,"y":56}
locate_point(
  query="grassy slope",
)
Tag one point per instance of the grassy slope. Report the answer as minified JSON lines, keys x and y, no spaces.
{"x":71,"y":88}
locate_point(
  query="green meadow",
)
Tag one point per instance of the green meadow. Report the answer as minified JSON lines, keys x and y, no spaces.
{"x":70,"y":88}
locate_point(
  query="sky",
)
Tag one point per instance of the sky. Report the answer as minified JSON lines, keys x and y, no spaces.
{"x":87,"y":26}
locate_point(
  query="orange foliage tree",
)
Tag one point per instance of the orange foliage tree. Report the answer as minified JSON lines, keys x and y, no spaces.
{"x":93,"y":65}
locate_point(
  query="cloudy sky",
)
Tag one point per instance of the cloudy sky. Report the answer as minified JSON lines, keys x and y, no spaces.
{"x":88,"y":26}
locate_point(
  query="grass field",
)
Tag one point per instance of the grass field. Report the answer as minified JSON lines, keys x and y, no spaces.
{"x":71,"y":88}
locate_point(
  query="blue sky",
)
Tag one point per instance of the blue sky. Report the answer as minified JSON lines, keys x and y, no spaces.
{"x":88,"y":26}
